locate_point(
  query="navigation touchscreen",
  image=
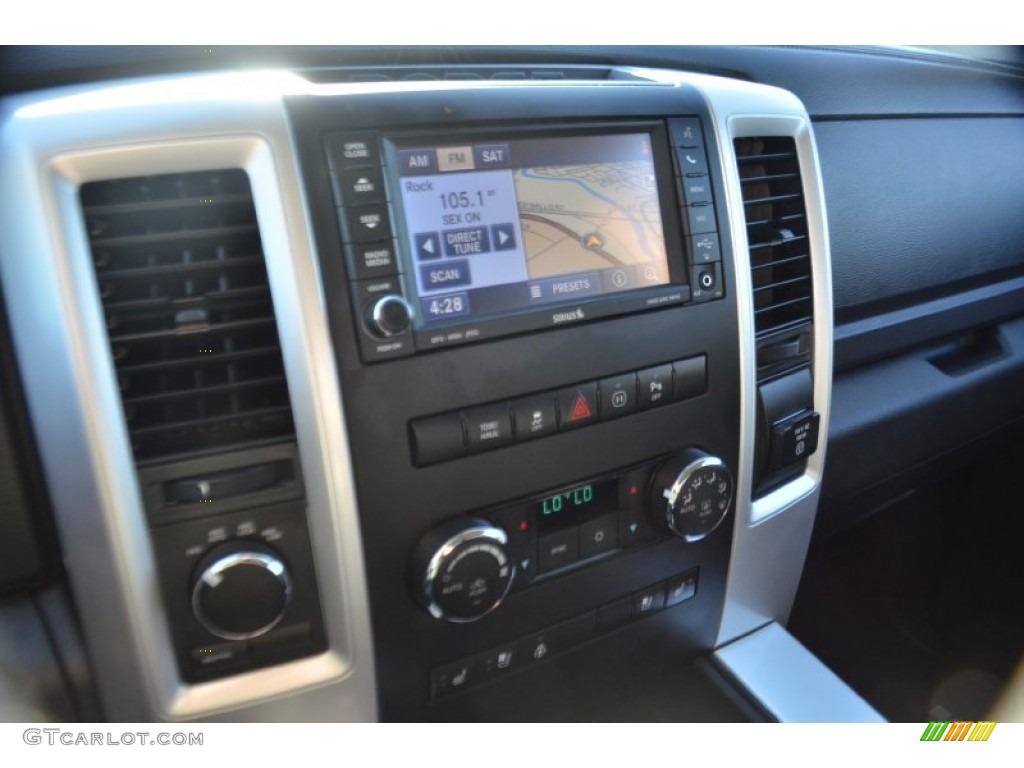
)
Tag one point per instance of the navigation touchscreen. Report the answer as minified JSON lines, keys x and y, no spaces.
{"x":504,"y":227}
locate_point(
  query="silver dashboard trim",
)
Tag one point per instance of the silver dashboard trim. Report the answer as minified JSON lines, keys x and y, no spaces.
{"x":772,"y":534}
{"x":790,"y":682}
{"x":51,"y":143}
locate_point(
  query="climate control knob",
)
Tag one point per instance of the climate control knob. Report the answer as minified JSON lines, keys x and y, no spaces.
{"x":461,"y":570}
{"x":241,"y":590}
{"x":691,"y":494}
{"x":389,"y":316}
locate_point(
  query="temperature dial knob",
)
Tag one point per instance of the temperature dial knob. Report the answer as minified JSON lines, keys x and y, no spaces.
{"x":691,"y":494}
{"x":462,"y":570}
{"x":242,"y":590}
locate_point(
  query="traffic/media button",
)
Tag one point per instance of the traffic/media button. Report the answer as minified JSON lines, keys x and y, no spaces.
{"x":577,"y":406}
{"x":599,"y":536}
{"x":534,"y":416}
{"x":617,"y":395}
{"x":557,"y":550}
{"x":487,"y":427}
{"x":655,"y":386}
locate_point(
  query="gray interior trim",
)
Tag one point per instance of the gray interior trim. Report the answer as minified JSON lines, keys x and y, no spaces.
{"x":790,"y":682}
{"x":53,"y":143}
{"x":772,"y":534}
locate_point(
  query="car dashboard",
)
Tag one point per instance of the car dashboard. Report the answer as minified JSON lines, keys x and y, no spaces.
{"x":483,"y":392}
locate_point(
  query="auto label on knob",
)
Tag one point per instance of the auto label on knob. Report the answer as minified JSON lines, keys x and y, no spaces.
{"x":697,"y":492}
{"x":468,"y":575}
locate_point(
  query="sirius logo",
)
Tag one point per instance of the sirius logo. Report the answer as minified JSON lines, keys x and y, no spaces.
{"x":567,"y":317}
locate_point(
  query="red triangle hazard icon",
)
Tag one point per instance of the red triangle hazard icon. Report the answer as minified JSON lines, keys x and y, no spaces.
{"x":580,"y":409}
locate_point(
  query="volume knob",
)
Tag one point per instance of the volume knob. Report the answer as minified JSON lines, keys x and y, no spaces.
{"x":389,"y":316}
{"x":241,"y":590}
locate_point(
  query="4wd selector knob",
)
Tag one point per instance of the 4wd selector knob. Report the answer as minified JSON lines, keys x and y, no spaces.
{"x":389,"y":316}
{"x":241,"y":590}
{"x":461,"y":570}
{"x":691,"y":494}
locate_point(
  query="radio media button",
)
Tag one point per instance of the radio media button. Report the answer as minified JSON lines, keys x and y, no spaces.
{"x":686,"y":132}
{"x":577,"y":406}
{"x":348,"y":150}
{"x":557,"y":550}
{"x":599,"y":536}
{"x":369,"y":260}
{"x":617,"y":395}
{"x":691,"y":377}
{"x":534,"y":416}
{"x":655,"y":386}
{"x":700,"y":219}
{"x":437,"y":438}
{"x":488,"y":427}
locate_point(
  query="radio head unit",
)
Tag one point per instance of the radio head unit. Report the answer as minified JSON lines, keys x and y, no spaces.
{"x":483,"y":233}
{"x":512,"y":225}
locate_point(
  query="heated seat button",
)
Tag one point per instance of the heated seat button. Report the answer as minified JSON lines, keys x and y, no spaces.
{"x":680,"y":588}
{"x":577,"y":406}
{"x":648,"y":601}
{"x":488,"y":427}
{"x":617,"y":395}
{"x":437,"y":438}
{"x":655,"y":386}
{"x":557,"y":550}
{"x":499,"y":660}
{"x":452,"y":678}
{"x":599,"y":536}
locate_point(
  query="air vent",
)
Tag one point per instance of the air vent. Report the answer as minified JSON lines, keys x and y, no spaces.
{"x":780,"y":262}
{"x":183,"y":282}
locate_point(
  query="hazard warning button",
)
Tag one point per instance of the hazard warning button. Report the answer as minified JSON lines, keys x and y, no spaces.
{"x":577,"y":406}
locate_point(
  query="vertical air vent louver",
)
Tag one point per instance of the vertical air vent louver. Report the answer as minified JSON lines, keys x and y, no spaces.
{"x":780,"y":263}
{"x":184,"y":288}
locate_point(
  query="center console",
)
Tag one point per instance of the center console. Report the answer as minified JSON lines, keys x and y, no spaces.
{"x":544,"y":366}
{"x":533,"y":302}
